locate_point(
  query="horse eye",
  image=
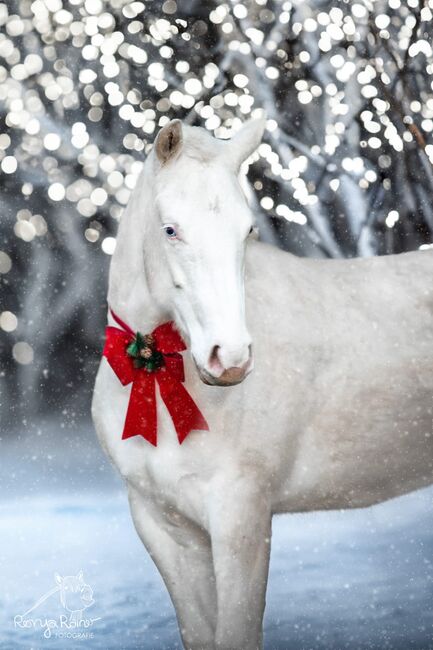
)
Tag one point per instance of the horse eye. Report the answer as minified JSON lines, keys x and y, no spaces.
{"x":170,"y":232}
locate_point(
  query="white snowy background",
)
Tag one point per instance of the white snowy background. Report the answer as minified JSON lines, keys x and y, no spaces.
{"x":355,"y":580}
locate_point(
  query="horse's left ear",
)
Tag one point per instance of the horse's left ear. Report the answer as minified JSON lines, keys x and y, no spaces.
{"x":168,"y":142}
{"x":245,"y":142}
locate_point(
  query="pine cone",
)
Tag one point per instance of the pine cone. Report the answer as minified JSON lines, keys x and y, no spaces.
{"x":146,"y":352}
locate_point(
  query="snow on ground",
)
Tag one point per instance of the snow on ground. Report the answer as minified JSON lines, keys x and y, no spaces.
{"x":357,"y":580}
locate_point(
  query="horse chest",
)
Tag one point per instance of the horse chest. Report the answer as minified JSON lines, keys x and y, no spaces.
{"x":175,"y":480}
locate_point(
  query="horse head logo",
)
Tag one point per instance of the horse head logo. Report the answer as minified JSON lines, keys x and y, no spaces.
{"x":75,"y":594}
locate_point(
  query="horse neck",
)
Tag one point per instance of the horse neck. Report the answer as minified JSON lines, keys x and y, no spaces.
{"x":129,"y":295}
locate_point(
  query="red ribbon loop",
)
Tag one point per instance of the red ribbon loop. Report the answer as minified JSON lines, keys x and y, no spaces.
{"x":141,"y":416}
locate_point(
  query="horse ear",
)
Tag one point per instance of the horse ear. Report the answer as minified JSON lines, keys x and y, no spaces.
{"x":58,"y":578}
{"x":245,"y":142}
{"x":80,"y":574}
{"x":169,"y":141}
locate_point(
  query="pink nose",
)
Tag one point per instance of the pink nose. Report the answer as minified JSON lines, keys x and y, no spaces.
{"x":219,"y":371}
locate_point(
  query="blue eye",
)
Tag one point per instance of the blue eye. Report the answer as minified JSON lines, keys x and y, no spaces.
{"x":170,"y":232}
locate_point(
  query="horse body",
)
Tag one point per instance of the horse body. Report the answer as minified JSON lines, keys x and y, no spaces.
{"x":352,"y":393}
{"x":336,"y":414}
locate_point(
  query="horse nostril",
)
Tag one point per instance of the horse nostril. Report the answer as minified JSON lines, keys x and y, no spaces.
{"x":213,"y":358}
{"x":218,"y":360}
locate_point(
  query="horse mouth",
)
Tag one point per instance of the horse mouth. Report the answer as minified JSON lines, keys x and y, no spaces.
{"x":230,"y":377}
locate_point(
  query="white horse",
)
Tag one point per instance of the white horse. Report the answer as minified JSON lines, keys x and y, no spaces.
{"x":336,"y":414}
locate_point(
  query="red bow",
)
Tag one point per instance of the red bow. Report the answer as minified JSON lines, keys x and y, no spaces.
{"x":141,"y":418}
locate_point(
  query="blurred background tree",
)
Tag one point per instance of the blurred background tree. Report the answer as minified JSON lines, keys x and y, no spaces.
{"x":345,"y":168}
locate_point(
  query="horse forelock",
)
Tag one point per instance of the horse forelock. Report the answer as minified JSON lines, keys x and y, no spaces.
{"x":193,"y":182}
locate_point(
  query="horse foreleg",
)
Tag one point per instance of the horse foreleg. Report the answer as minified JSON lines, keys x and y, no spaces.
{"x":182,"y":554}
{"x":240,"y":526}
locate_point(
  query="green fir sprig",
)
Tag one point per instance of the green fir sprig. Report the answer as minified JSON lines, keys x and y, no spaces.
{"x":143,"y":350}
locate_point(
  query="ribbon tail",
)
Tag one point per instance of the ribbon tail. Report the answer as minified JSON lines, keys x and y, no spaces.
{"x":141,"y":418}
{"x":183,"y":410}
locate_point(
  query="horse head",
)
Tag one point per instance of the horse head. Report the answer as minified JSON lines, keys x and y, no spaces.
{"x":75,"y":594}
{"x":195,"y":241}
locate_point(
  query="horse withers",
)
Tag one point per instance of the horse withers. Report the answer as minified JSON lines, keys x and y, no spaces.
{"x":335,"y":413}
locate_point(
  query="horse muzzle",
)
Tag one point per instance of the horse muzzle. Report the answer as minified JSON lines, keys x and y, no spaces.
{"x":229,"y":377}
